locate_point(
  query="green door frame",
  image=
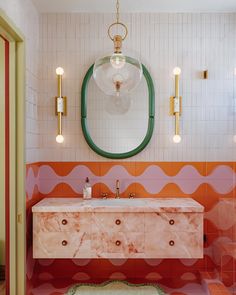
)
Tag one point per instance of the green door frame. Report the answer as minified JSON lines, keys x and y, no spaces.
{"x":17,"y":154}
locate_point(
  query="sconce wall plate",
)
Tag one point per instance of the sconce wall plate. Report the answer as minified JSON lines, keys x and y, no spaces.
{"x":172,"y":106}
{"x":61,"y":105}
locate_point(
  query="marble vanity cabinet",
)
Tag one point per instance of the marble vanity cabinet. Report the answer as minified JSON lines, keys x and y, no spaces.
{"x":118,"y":228}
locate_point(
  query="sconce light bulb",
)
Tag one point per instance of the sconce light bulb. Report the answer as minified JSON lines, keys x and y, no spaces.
{"x":59,"y":71}
{"x":234,"y":138}
{"x":117,"y":60}
{"x":60,"y":138}
{"x":177,"y":71}
{"x":176,"y":138}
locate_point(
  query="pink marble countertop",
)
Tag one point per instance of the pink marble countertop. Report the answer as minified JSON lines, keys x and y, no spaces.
{"x":171,"y":205}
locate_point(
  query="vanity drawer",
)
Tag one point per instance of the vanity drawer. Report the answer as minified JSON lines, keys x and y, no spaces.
{"x":126,"y":243}
{"x":61,"y":222}
{"x":118,"y":222}
{"x":185,"y":222}
{"x":174,"y":244}
{"x":61,"y":245}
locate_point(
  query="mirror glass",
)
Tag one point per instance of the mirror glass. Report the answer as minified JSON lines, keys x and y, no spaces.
{"x":117,"y":126}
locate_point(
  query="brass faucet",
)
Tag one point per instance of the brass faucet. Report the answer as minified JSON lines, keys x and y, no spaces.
{"x":117,"y":189}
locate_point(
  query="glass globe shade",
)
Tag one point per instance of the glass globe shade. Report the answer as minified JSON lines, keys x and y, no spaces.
{"x":117,"y":81}
{"x":59,"y":71}
{"x":177,"y":71}
{"x":176,"y":138}
{"x":117,"y":60}
{"x":60,"y":138}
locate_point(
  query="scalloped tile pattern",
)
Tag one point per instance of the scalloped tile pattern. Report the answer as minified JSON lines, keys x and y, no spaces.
{"x":211,"y":184}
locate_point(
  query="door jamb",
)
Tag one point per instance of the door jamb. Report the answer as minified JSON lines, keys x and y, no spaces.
{"x":17,"y":156}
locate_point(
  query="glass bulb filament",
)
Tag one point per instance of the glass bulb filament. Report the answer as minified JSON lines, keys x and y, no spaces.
{"x":177,"y":71}
{"x":117,"y":60}
{"x":59,"y":71}
{"x":60,"y":138}
{"x":176,"y":138}
{"x":117,"y":80}
{"x":118,"y":86}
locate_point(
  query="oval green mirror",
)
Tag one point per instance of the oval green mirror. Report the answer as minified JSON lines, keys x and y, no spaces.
{"x":117,"y":127}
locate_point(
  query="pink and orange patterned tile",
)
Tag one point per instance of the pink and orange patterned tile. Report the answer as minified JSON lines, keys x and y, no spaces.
{"x":211,"y":184}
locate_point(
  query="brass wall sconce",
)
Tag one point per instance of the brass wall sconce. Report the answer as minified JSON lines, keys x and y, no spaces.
{"x":61,"y":104}
{"x":176,"y":105}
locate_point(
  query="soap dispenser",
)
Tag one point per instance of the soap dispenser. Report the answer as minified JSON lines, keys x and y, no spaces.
{"x":87,"y":190}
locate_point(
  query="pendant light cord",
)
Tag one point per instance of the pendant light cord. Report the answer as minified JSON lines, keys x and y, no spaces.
{"x":117,"y":11}
{"x":117,"y":23}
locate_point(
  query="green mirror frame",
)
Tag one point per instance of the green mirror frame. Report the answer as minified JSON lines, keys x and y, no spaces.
{"x":151,"y":118}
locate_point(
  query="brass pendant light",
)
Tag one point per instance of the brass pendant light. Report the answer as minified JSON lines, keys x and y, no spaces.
{"x":117,"y":74}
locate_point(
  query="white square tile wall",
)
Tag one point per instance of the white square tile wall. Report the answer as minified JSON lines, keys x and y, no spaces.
{"x":25,"y":16}
{"x":194,"y":42}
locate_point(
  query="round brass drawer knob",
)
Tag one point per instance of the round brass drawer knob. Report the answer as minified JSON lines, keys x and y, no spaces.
{"x":171,"y":222}
{"x":64,"y":243}
{"x":118,"y":243}
{"x":118,"y":222}
{"x":64,"y":221}
{"x":171,"y":243}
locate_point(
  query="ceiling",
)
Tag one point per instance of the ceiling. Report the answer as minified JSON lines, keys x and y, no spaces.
{"x":104,"y":6}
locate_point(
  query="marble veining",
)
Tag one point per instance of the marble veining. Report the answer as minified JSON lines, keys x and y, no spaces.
{"x":140,"y":228}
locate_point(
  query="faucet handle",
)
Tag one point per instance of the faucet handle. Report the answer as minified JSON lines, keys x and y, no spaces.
{"x":131,"y":195}
{"x":104,"y":195}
